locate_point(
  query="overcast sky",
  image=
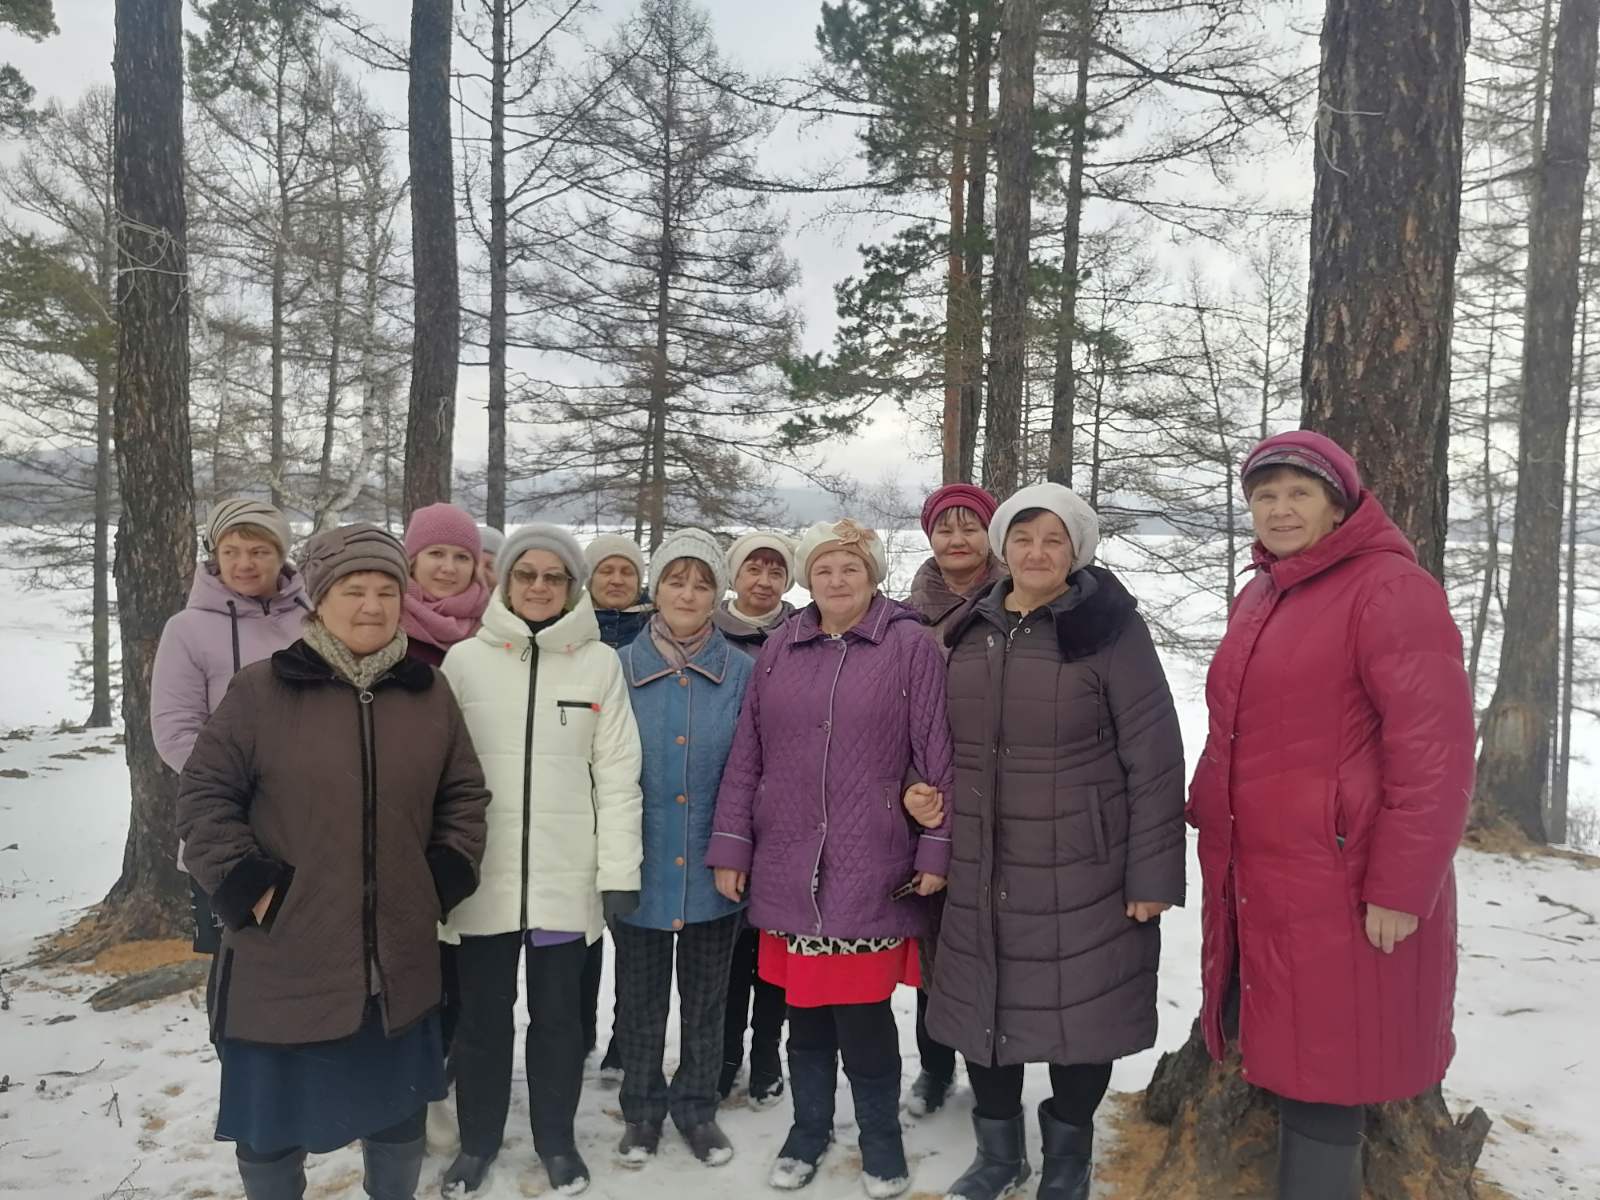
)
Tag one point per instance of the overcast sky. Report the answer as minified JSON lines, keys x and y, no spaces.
{"x":757,"y":35}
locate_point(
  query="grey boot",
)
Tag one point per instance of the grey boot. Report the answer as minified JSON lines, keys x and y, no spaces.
{"x":1002,"y":1162}
{"x":393,"y":1168}
{"x":1313,"y":1170}
{"x":1068,"y":1157}
{"x":282,"y":1179}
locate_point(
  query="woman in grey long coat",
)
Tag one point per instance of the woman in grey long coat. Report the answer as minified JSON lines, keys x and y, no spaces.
{"x":1068,"y":842}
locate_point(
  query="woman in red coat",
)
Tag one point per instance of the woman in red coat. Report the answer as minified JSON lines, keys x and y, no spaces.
{"x":1330,"y":800}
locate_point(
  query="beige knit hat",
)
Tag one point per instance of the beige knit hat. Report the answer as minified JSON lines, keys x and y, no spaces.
{"x":845,"y":534}
{"x":334,"y":553}
{"x":241,"y":510}
{"x":614,"y":545}
{"x":689,"y":543}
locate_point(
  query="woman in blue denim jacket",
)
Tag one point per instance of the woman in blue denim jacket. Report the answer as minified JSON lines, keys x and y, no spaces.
{"x":686,"y":683}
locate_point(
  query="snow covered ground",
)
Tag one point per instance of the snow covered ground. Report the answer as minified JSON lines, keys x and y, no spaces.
{"x":121,"y":1104}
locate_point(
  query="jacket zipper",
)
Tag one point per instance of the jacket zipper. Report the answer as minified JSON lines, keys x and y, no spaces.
{"x":530,"y":656}
{"x":233,"y":624}
{"x":994,"y":802}
{"x":369,"y":838}
{"x":827,"y":745}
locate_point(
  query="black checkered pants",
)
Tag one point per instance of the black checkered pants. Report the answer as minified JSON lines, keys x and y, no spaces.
{"x":704,"y":955}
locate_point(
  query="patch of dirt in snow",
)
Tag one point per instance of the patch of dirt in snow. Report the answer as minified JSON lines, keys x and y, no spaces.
{"x":129,"y":958}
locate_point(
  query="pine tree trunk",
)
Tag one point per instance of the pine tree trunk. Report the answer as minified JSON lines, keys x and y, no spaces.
{"x":1384,"y":229}
{"x":1013,"y":216}
{"x":326,"y":515}
{"x":1064,"y":392}
{"x":280,"y":286}
{"x":495,"y":480}
{"x":1222,"y":1138}
{"x":972,"y":355}
{"x":955,"y":308}
{"x":1513,"y":768}
{"x":1376,"y":377}
{"x":436,"y":336}
{"x":105,"y":388}
{"x":155,"y":538}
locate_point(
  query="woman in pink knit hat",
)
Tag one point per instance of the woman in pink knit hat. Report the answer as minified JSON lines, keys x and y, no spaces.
{"x":955,"y":519}
{"x":1330,"y":801}
{"x":445,"y":599}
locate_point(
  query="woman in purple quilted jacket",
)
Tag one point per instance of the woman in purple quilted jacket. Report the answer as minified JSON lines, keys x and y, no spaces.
{"x":847,"y":705}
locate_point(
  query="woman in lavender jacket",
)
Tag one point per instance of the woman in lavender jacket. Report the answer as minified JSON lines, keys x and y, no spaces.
{"x":247,"y":603}
{"x":847,"y":704}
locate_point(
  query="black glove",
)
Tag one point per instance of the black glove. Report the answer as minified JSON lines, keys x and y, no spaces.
{"x":617,"y":905}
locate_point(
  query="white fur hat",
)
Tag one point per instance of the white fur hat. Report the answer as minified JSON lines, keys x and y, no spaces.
{"x":1082,"y":522}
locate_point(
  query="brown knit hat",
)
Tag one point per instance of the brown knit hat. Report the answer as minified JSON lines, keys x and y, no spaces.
{"x":334,"y":553}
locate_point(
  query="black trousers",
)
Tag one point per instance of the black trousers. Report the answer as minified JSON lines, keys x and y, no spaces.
{"x":594,"y":965}
{"x":764,"y":1018}
{"x":938,"y":1059}
{"x":1335,"y":1124}
{"x":1077,"y":1090}
{"x":864,"y":1035}
{"x":409,"y":1130}
{"x":485,"y":1040}
{"x":644,"y":996}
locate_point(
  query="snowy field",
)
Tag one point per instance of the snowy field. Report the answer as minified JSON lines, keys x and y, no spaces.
{"x":121,"y":1104}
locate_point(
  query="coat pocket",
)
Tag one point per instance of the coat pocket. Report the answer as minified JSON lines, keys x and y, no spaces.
{"x":1097,"y":821}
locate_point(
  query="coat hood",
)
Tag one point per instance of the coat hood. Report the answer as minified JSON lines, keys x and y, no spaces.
{"x":1098,"y":603}
{"x":299,"y":663}
{"x":935,"y":599}
{"x":210,"y":594}
{"x":502,"y":627}
{"x":1367,"y":530}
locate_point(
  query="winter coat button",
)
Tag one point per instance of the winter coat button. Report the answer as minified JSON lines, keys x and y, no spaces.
{"x":678,"y":860}
{"x":677,"y":924}
{"x":683,"y":799}
{"x":681,"y":740}
{"x":683,"y":681}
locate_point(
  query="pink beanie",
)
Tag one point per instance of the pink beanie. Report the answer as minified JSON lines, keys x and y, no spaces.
{"x":442,"y":525}
{"x":958,"y":495}
{"x":1312,"y":452}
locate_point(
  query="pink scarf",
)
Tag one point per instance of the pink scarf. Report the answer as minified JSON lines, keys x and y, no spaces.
{"x":679,"y":652}
{"x":443,"y":623}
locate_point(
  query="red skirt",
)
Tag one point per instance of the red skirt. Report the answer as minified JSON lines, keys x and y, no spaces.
{"x":813,"y":980}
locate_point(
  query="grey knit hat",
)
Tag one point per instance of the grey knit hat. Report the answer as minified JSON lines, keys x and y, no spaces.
{"x":334,"y":553}
{"x":241,"y":510}
{"x":690,"y":543}
{"x":491,"y":539}
{"x":543,"y":537}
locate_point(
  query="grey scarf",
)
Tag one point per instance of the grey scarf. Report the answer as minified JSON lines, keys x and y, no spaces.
{"x":361,"y":672}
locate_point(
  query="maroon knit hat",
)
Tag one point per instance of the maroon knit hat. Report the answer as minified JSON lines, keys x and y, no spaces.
{"x":958,"y":495}
{"x":1321,"y":456}
{"x":442,"y":525}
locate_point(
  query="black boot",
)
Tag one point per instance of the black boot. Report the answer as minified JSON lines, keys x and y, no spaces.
{"x":813,"y":1076}
{"x":1002,"y":1162}
{"x":281,"y":1179}
{"x":883,"y":1153}
{"x":568,"y":1173}
{"x":766,"y":1076}
{"x":729,"y":1076}
{"x":640,"y":1140}
{"x":392,"y":1168}
{"x":928,"y":1094}
{"x":1068,"y":1158}
{"x":709,"y":1144}
{"x":466,"y":1174}
{"x":1313,"y":1170}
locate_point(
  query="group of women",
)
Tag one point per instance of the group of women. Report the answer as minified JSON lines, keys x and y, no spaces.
{"x":978,"y":793}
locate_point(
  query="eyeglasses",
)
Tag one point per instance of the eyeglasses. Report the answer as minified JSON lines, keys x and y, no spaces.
{"x":551,"y":579}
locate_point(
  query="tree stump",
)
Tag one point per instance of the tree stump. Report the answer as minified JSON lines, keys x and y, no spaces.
{"x":1222,"y":1137}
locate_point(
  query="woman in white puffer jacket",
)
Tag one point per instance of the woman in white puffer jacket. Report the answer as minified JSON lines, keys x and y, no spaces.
{"x":548,"y":710}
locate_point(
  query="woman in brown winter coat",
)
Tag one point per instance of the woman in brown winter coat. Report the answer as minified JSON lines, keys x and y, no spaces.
{"x":1068,"y":841}
{"x":333,"y":810}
